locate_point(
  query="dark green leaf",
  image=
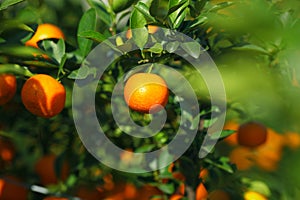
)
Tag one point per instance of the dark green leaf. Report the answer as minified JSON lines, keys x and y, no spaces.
{"x":14,"y":24}
{"x":101,"y":11}
{"x":6,"y":3}
{"x":177,"y":12}
{"x":144,"y":9}
{"x":87,"y":23}
{"x":192,"y":48}
{"x":159,"y":9}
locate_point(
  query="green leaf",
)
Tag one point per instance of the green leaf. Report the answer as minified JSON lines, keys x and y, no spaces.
{"x":192,"y":48}
{"x":167,"y":188}
{"x":120,"y":5}
{"x":56,"y":51}
{"x":156,"y":48}
{"x":251,"y":47}
{"x":144,"y":9}
{"x":15,"y":69}
{"x":87,"y":23}
{"x":139,"y":31}
{"x":196,"y":7}
{"x":6,"y":3}
{"x":172,"y":46}
{"x":13,"y":24}
{"x":84,"y":72}
{"x":93,"y":35}
{"x":159,"y":9}
{"x":20,"y":51}
{"x":177,"y":12}
{"x":101,"y":10}
{"x":98,"y":37}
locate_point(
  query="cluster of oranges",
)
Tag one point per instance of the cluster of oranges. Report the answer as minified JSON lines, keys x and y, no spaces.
{"x":255,"y":144}
{"x":41,"y":94}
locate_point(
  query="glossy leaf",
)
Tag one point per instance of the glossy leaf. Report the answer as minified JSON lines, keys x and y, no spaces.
{"x":139,"y":31}
{"x":159,"y":9}
{"x":6,"y":3}
{"x":144,"y":9}
{"x":87,"y":23}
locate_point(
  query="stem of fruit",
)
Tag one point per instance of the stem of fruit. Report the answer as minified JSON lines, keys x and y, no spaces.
{"x":150,"y":68}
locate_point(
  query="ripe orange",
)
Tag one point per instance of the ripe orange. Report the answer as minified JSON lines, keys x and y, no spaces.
{"x":88,"y":193}
{"x":45,"y":168}
{"x":201,"y":192}
{"x":145,"y":92}
{"x":292,"y":140}
{"x":12,"y":188}
{"x":7,"y":150}
{"x":218,"y":195}
{"x":147,"y":192}
{"x":176,"y":197}
{"x":45,"y":31}
{"x":251,"y":195}
{"x":242,"y":157}
{"x":252,"y":134}
{"x":267,"y":155}
{"x":8,"y":87}
{"x":43,"y":96}
{"x":232,"y":139}
{"x":151,"y":29}
{"x":203,"y":174}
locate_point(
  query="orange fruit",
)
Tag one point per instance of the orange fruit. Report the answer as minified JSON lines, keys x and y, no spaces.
{"x":86,"y":192}
{"x":176,"y":197}
{"x":43,"y":32}
{"x":292,"y":140}
{"x":122,"y":191}
{"x":233,"y":126}
{"x":251,"y":195}
{"x":145,"y":92}
{"x":201,"y":192}
{"x":12,"y":188}
{"x":218,"y":195}
{"x":8,"y":88}
{"x":242,"y":158}
{"x":267,"y":155}
{"x":151,"y":29}
{"x":251,"y":134}
{"x":45,"y":168}
{"x":43,"y":96}
{"x":147,"y":192}
{"x":203,"y":174}
{"x":7,"y":150}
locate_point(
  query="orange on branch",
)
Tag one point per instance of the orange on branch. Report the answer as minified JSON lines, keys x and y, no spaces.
{"x":8,"y":87}
{"x":12,"y":188}
{"x":45,"y":168}
{"x":145,"y":92}
{"x":252,"y":134}
{"x":43,"y":32}
{"x":43,"y":96}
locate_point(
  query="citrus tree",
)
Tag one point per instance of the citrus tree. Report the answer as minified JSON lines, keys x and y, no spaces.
{"x":154,"y":99}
